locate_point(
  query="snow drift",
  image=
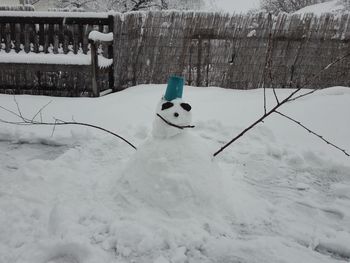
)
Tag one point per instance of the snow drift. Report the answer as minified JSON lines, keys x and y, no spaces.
{"x":66,"y":198}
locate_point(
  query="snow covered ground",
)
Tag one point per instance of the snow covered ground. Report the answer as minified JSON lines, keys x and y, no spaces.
{"x":333,"y":6}
{"x":286,"y":193}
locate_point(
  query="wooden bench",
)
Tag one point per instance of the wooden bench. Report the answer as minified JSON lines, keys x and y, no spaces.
{"x":56,"y":56}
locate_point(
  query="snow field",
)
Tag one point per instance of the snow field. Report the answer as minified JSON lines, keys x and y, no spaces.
{"x":285,"y":194}
{"x":333,"y":6}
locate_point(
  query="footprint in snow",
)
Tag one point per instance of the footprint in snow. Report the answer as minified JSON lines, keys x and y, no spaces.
{"x":65,"y":252}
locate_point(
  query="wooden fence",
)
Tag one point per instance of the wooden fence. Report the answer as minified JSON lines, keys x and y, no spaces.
{"x":208,"y":49}
{"x":231,"y":51}
{"x":43,"y":33}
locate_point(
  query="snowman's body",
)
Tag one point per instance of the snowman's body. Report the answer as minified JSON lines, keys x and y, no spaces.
{"x":173,"y":169}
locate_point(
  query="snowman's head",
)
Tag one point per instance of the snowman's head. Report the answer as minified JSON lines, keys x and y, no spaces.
{"x":175,"y":112}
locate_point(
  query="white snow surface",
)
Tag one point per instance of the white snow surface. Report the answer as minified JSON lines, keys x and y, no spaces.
{"x":50,"y":58}
{"x":99,"y":36}
{"x":53,"y":14}
{"x":334,"y":6}
{"x":278,"y":194}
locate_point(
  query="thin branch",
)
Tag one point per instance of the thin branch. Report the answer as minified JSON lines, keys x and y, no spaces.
{"x":40,"y":110}
{"x":14,"y":122}
{"x":18,"y":108}
{"x":314,"y":133}
{"x":278,"y":105}
{"x":54,"y":128}
{"x":317,"y":75}
{"x":292,"y":70}
{"x":268,"y":64}
{"x":264,"y":99}
{"x":10,"y":111}
{"x":275,"y":94}
{"x":25,"y":121}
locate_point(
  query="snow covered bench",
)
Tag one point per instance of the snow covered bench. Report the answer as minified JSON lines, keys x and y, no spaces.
{"x":87,"y":63}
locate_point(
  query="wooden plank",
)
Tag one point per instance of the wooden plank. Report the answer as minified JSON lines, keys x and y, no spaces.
{"x":8,"y":44}
{"x":56,"y":39}
{"x":76,"y":35}
{"x":26,"y":32}
{"x":36,"y":38}
{"x":17,"y":36}
{"x":51,"y":35}
{"x":1,"y":36}
{"x":41,"y":34}
{"x":66,"y":39}
{"x":94,"y":70}
{"x":110,"y":54}
{"x":46,"y":44}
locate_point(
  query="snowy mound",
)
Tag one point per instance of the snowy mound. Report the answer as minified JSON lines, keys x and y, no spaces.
{"x":175,"y":175}
{"x":334,"y":6}
{"x":289,"y":192}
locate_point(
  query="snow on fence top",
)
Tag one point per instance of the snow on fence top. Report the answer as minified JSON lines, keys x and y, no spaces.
{"x":48,"y":14}
{"x":208,"y":49}
{"x":58,"y":59}
{"x":17,"y":8}
{"x":99,"y":36}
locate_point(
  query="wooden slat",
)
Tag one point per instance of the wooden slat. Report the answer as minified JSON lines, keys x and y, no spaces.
{"x":56,"y":39}
{"x":8,"y":44}
{"x":27,"y":30}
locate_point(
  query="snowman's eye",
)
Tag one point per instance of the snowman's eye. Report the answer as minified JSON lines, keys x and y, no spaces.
{"x":186,"y":106}
{"x":167,"y":105}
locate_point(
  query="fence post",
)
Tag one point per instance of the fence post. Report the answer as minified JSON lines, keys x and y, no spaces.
{"x":94,"y":69}
{"x":110,"y":53}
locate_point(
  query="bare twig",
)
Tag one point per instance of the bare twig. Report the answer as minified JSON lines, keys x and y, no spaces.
{"x":279,"y":104}
{"x":292,"y":70}
{"x":318,"y":74}
{"x":18,"y":108}
{"x":268,"y":65}
{"x":264,"y":98}
{"x":26,"y":121}
{"x":10,"y":111}
{"x":312,"y":132}
{"x":275,"y":94}
{"x":40,"y":111}
{"x":54,"y":128}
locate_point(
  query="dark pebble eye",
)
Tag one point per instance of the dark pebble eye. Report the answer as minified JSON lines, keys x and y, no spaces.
{"x":186,"y":106}
{"x":167,"y":105}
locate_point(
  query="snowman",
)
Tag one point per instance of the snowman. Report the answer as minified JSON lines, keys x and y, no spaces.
{"x":173,"y":170}
{"x":173,"y":115}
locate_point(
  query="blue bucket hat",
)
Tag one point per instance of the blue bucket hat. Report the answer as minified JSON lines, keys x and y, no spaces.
{"x":175,"y":88}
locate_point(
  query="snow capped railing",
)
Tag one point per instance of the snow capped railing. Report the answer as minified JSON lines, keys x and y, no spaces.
{"x":59,"y":42}
{"x":208,"y":49}
{"x":102,"y":37}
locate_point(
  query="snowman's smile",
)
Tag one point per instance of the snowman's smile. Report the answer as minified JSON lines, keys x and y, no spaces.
{"x":174,"y":125}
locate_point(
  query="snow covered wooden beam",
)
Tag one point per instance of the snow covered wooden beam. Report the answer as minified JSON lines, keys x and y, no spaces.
{"x":97,"y":36}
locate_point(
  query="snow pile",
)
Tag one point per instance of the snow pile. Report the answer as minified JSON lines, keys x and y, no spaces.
{"x":333,"y":6}
{"x":276,"y":195}
{"x":176,"y":175}
{"x":20,"y":14}
{"x":98,"y":36}
{"x":50,"y":58}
